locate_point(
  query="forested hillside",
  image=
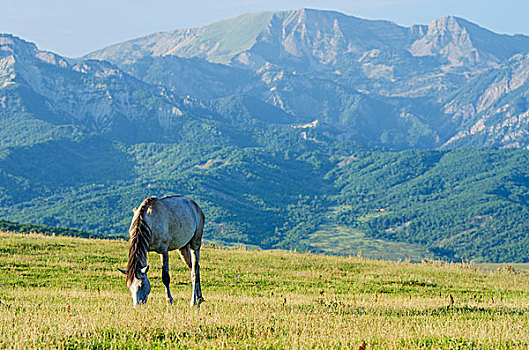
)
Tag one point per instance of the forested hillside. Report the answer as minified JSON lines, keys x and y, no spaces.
{"x":453,"y":203}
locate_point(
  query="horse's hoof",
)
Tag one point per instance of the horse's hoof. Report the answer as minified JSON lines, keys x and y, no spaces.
{"x":169,"y":301}
{"x":197,"y":302}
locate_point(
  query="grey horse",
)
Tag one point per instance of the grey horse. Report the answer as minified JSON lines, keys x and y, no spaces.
{"x":161,"y":225}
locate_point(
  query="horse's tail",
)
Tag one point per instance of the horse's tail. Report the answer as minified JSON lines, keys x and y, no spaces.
{"x":139,"y":238}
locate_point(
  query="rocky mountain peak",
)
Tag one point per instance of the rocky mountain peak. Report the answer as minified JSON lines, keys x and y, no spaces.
{"x":462,"y":43}
{"x":449,"y":24}
{"x":12,"y":45}
{"x":308,"y":38}
{"x":22,"y":50}
{"x":301,"y":37}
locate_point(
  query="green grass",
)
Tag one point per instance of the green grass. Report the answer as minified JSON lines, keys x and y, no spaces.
{"x":375,"y":214}
{"x":59,"y":292}
{"x":343,"y":240}
{"x":332,"y":238}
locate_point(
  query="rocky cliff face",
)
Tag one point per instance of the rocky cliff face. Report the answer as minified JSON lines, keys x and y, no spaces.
{"x":493,"y":110}
{"x":90,"y":95}
{"x":459,"y":43}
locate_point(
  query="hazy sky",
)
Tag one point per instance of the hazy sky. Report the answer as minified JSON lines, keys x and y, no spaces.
{"x":76,"y":27}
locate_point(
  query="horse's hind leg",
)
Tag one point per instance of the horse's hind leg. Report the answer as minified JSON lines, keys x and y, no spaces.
{"x":199,"y":289}
{"x":195,"y":278}
{"x":191,"y":257}
{"x":166,"y":279}
{"x":193,"y":248}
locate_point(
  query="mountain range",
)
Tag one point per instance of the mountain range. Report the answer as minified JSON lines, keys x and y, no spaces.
{"x":342,"y":68}
{"x":270,"y":115}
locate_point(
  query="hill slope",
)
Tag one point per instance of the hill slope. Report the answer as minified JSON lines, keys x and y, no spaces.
{"x":64,"y":292}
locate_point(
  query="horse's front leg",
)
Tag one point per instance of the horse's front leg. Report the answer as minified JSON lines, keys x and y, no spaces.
{"x":166,"y":279}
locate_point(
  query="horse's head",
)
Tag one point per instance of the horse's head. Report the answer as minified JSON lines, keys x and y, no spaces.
{"x":140,"y":287}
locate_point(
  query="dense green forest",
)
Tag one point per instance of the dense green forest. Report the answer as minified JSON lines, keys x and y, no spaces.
{"x":465,"y":203}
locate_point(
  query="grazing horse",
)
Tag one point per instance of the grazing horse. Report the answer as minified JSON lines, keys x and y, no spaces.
{"x":161,"y":225}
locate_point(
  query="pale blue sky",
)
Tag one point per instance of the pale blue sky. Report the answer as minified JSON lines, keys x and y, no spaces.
{"x":76,"y":27}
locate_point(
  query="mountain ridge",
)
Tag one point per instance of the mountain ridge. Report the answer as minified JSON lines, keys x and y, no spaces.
{"x":295,"y":26}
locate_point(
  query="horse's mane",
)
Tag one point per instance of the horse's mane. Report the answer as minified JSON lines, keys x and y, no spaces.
{"x":140,"y":236}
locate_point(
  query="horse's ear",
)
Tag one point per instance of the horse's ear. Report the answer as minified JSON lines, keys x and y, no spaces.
{"x":145,"y":269}
{"x":122,"y":271}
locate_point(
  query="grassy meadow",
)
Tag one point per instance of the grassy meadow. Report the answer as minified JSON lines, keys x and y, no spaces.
{"x":59,"y":292}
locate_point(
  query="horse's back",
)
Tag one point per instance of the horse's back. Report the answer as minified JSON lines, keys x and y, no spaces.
{"x":173,"y":221}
